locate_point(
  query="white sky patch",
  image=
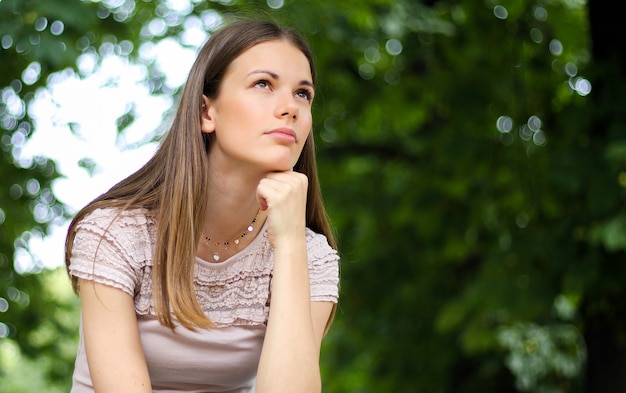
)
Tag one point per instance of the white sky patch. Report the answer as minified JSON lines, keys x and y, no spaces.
{"x":180,"y":6}
{"x":93,"y":104}
{"x":174,"y":61}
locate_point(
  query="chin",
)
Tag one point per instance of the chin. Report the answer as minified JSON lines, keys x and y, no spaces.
{"x":282,"y":164}
{"x":281,"y":168}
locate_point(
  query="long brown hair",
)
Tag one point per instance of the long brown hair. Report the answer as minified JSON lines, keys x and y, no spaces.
{"x":173,"y":183}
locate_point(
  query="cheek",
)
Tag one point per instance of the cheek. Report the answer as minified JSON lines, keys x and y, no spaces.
{"x":302,"y":141}
{"x":307,"y":120}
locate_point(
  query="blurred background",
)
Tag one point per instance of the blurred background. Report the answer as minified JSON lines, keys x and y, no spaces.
{"x":472,"y":156}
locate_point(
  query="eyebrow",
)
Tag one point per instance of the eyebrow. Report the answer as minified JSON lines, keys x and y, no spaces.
{"x":274,"y":75}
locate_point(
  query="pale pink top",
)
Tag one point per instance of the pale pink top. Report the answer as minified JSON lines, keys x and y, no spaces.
{"x":116,"y":248}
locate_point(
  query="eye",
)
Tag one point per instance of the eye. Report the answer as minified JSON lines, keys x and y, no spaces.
{"x":264,"y":84}
{"x":305,"y":93}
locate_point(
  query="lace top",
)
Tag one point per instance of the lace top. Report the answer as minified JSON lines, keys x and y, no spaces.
{"x":116,"y":248}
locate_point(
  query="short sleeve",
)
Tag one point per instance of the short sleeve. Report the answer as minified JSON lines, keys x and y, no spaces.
{"x":323,"y":268}
{"x":112,"y":247}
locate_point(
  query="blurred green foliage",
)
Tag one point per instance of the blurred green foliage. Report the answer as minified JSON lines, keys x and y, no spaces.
{"x":472,"y":155}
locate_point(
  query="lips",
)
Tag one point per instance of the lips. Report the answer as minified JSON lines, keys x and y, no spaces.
{"x":284,"y":134}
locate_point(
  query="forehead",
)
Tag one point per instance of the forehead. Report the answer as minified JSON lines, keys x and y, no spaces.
{"x":279,"y":56}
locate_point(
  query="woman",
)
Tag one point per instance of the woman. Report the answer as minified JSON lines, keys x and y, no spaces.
{"x":212,"y":268}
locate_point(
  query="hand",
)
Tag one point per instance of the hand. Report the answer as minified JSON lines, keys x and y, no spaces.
{"x":283,"y":195}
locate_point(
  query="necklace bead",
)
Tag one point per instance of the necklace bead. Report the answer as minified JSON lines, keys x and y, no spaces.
{"x":216,"y":256}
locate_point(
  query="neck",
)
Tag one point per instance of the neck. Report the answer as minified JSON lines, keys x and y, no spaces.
{"x":231,"y":204}
{"x":231,"y":208}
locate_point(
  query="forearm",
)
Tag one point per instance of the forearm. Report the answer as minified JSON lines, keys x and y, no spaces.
{"x":290,"y":356}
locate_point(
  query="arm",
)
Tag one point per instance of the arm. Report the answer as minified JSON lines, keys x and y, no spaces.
{"x":291,"y":350}
{"x":114,"y":353}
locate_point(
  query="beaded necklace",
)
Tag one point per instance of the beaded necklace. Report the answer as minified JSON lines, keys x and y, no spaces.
{"x":216,"y":256}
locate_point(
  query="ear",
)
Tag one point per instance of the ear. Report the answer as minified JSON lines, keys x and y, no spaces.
{"x":207,"y":115}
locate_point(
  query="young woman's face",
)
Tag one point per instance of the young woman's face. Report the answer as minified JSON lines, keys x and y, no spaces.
{"x":262,"y":115}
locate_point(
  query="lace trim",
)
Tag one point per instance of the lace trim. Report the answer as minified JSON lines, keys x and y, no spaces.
{"x":116,"y":248}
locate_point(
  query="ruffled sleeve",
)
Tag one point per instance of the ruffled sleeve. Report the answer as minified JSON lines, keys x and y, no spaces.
{"x":114,"y":248}
{"x":323,"y":268}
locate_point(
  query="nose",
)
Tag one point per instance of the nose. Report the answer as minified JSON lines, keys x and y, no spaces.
{"x":287,"y":106}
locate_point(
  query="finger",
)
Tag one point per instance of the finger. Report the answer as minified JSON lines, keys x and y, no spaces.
{"x":267,"y":190}
{"x":296,"y":179}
